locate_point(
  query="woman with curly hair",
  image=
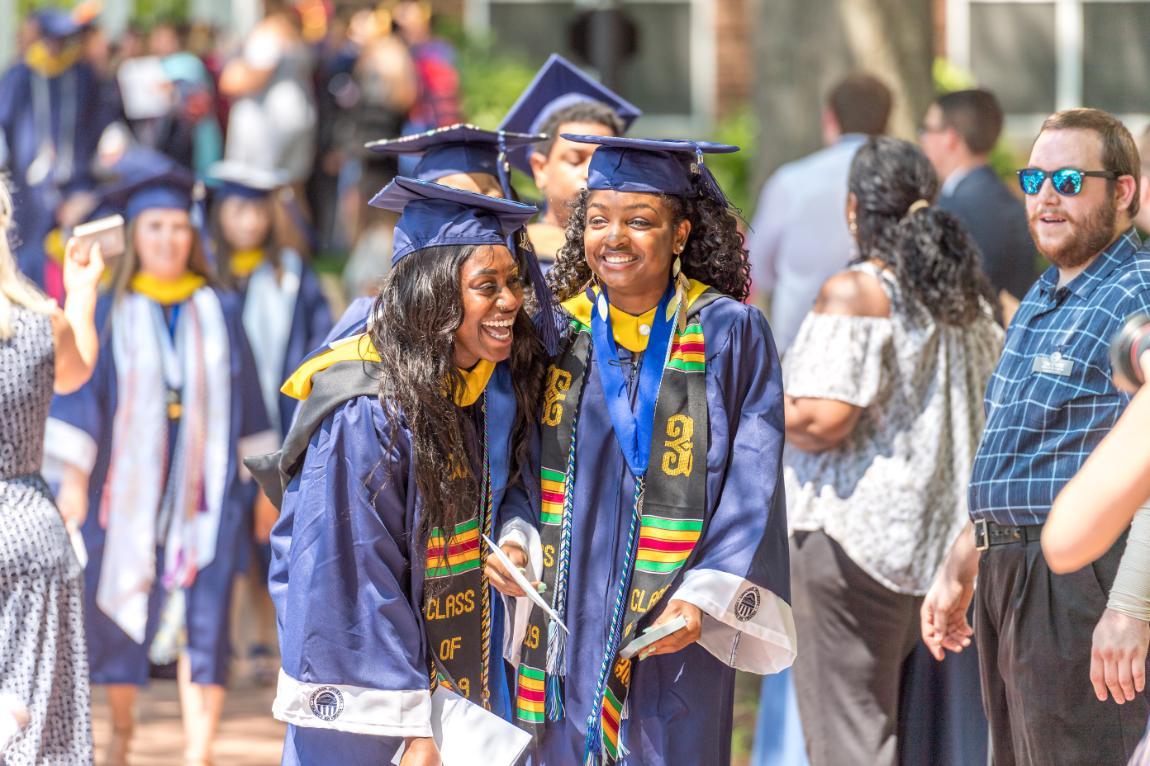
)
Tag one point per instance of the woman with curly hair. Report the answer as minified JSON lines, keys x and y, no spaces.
{"x":661,"y":448}
{"x":884,"y":389}
{"x":393,"y":475}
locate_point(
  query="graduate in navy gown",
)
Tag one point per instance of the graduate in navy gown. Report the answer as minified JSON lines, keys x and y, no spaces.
{"x":53,"y":110}
{"x":285,"y":313}
{"x":562,"y":99}
{"x":661,"y":442}
{"x":391,"y":473}
{"x":285,"y":317}
{"x":461,"y":156}
{"x":150,"y":450}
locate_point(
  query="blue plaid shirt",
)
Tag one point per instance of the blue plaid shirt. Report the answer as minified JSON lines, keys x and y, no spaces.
{"x":1042,"y":424}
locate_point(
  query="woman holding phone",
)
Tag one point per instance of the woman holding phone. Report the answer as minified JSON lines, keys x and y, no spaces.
{"x":43,"y":660}
{"x":150,"y":448}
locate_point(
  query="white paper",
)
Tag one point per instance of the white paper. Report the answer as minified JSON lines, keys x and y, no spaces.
{"x":77,"y":541}
{"x":144,"y":87}
{"x":466,"y":734}
{"x":651,"y":635}
{"x":524,"y":583}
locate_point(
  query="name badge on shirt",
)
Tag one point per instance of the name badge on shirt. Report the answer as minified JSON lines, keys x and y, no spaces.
{"x":1054,"y":364}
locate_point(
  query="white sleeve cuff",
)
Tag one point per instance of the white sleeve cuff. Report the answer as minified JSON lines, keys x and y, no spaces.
{"x":354,"y":709}
{"x":517,"y":615}
{"x":260,"y":443}
{"x":744,"y":625}
{"x":65,"y":445}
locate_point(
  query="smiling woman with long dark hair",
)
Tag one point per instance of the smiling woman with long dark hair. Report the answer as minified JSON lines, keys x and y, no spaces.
{"x":661,"y":447}
{"x":396,"y":467}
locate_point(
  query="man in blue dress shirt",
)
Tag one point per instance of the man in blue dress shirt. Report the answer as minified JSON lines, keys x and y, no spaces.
{"x":1044,"y":639}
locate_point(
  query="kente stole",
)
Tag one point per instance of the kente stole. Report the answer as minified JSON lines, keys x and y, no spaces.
{"x":457,"y":597}
{"x":666,"y":524}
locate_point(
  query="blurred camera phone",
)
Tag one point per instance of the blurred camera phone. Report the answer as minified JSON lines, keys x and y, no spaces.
{"x":651,"y":635}
{"x":107,"y":232}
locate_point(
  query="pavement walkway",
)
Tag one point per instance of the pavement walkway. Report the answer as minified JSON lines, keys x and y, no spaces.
{"x":249,"y":736}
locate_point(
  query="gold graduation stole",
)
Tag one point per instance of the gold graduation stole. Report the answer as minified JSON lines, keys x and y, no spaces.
{"x":667,"y":522}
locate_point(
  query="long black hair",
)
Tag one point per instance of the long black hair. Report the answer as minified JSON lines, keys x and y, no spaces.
{"x":415,"y":319}
{"x":932,"y":256}
{"x":714,"y":253}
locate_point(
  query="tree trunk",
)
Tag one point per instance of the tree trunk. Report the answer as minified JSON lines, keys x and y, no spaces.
{"x":803,"y":47}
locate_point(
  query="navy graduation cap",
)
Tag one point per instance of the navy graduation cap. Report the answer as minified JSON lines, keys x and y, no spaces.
{"x":146,"y":180}
{"x":654,"y":166}
{"x":432,"y":215}
{"x":558,"y":85}
{"x":229,"y":178}
{"x":58,"y":24}
{"x":459,"y":148}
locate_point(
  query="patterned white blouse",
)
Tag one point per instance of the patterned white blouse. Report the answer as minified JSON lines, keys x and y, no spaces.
{"x":893,"y":494}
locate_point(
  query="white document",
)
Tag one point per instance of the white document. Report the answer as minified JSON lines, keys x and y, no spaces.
{"x":524,"y":583}
{"x":144,"y":87}
{"x":466,"y":734}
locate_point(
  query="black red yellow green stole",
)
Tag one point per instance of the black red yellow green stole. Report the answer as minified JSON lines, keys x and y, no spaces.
{"x":457,"y":597}
{"x":666,"y":523}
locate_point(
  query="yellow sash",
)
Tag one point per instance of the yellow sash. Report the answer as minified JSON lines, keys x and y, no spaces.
{"x":627,"y":328}
{"x":168,"y":292}
{"x":359,"y":348}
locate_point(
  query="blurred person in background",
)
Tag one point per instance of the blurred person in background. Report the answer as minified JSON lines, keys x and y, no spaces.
{"x":437,"y":102}
{"x":271,"y":125}
{"x":149,"y":453}
{"x":43,"y":659}
{"x":285,"y":317}
{"x":189,"y":132}
{"x":562,"y":99}
{"x":1053,"y":648}
{"x":53,"y":111}
{"x":799,"y":237}
{"x":872,"y":509}
{"x":1142,"y":219}
{"x":458,"y":156}
{"x":382,"y":87}
{"x":335,"y":57}
{"x":958,"y":134}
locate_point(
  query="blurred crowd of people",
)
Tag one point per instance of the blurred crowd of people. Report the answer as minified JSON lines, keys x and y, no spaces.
{"x":295,"y":97}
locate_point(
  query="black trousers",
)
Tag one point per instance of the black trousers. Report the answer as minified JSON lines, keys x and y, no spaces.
{"x":855,"y":636}
{"x":1034,"y":631}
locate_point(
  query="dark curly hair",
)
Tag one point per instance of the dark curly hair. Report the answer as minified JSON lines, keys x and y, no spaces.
{"x":932,"y":256}
{"x":413,"y":329}
{"x":714,"y":253}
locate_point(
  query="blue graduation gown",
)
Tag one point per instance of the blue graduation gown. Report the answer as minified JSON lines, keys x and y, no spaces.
{"x":311,"y":321}
{"x":115,"y":658}
{"x":681,"y":705}
{"x":95,"y":109}
{"x":347,"y":582}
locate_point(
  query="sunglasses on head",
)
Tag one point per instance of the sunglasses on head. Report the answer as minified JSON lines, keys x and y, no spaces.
{"x":1066,"y":181}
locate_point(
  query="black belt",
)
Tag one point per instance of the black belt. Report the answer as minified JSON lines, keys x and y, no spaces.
{"x":987,"y":534}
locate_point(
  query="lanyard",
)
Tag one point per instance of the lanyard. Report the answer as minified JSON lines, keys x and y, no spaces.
{"x":633,"y":427}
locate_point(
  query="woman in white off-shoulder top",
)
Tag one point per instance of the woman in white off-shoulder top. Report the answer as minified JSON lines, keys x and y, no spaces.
{"x":884,"y":388}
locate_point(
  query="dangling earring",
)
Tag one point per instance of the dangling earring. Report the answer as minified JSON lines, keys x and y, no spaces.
{"x":853,"y":225}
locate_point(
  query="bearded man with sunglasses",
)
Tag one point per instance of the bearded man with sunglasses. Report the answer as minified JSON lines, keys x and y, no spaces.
{"x":1054,"y":648}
